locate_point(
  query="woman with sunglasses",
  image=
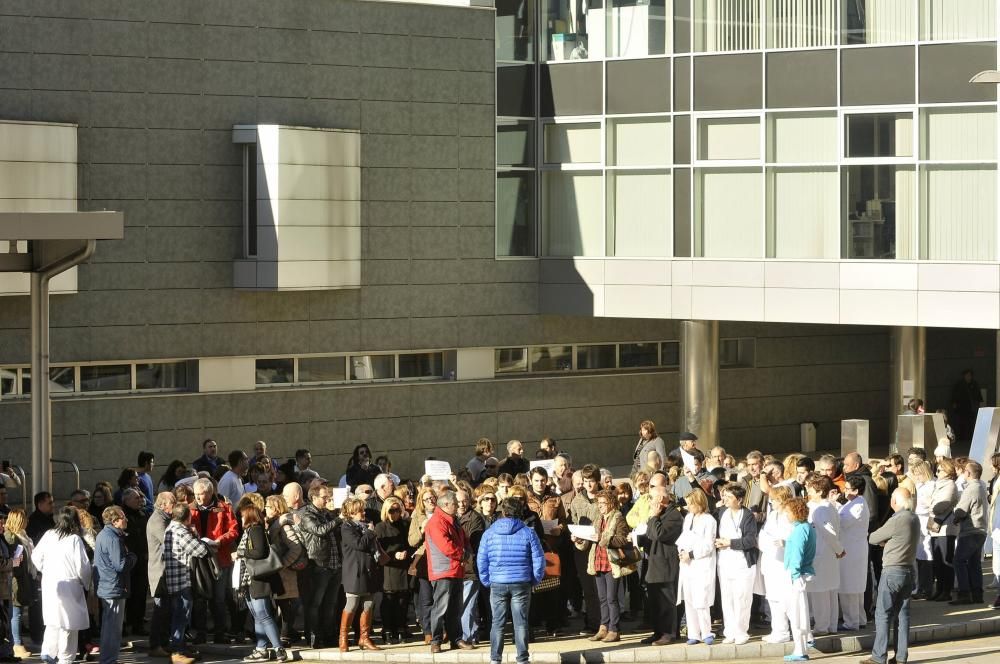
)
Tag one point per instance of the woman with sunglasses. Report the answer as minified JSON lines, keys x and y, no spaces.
{"x":422,"y":510}
{"x":392,"y":533}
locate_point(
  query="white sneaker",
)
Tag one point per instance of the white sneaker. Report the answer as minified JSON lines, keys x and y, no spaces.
{"x":728,"y":640}
{"x":776,"y":638}
{"x":739,"y":642}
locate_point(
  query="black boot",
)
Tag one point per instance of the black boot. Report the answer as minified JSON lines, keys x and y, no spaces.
{"x":961,"y":599}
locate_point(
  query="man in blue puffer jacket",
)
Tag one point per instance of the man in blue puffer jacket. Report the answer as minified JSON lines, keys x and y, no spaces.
{"x":510,"y":563}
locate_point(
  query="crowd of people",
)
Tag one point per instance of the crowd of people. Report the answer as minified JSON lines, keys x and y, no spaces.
{"x":693,"y":544}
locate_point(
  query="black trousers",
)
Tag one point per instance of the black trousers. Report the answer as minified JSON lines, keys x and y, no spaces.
{"x":588,"y":588}
{"x":663,"y":608}
{"x":394,"y":605}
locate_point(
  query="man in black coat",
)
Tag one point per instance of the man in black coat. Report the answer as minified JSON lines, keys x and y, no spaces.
{"x":660,"y":542}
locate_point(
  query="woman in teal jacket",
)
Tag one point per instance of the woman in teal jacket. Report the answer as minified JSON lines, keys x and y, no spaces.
{"x":800,"y":550}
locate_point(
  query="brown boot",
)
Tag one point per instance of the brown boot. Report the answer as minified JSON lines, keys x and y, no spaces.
{"x":364,"y":639}
{"x":427,"y":639}
{"x":611,"y":637}
{"x":601,"y":633}
{"x":346,"y":620}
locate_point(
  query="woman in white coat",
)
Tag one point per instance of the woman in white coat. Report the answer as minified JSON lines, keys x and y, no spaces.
{"x":923,"y":478}
{"x":61,"y":558}
{"x":777,"y":582}
{"x":696,"y":586}
{"x":736,"y":545}
{"x":822,"y":588}
{"x":854,"y":518}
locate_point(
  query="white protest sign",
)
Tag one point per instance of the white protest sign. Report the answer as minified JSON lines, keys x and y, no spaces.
{"x":583,"y":532}
{"x":437,"y":470}
{"x":548,"y":464}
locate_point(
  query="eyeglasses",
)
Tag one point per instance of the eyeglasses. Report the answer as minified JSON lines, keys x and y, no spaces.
{"x":428,"y":499}
{"x":488,"y":499}
{"x":394,"y":509}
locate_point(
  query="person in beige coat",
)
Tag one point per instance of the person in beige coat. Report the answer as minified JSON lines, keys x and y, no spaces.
{"x":604,"y":562}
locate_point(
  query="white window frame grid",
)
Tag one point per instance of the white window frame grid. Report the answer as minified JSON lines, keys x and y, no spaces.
{"x":20,"y":369}
{"x":346,"y":357}
{"x":692,"y":167}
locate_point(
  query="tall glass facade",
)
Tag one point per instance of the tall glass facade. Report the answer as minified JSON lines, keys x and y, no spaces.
{"x":791,"y":129}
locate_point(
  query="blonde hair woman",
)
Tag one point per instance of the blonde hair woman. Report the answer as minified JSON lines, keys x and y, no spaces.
{"x":294,"y":560}
{"x":696,"y":547}
{"x":771,"y":542}
{"x":391,"y":533}
{"x":25,"y":575}
{"x":422,"y":510}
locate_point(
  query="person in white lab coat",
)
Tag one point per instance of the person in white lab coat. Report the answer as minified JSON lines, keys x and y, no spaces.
{"x":61,"y":558}
{"x":823,"y":586}
{"x":854,"y":519}
{"x":771,"y":543}
{"x":923,"y":478}
{"x":737,"y":550}
{"x":696,"y":547}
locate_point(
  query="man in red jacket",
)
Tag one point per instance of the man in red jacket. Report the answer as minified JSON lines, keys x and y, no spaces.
{"x":447,"y":546}
{"x":213,"y":519}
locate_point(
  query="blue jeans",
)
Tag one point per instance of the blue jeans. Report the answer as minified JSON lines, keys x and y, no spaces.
{"x":15,"y":624}
{"x":893,"y":610}
{"x":607,"y":594}
{"x":969,"y":563}
{"x":263,"y":622}
{"x":112,"y":617}
{"x":180,"y":618}
{"x":470,"y":610}
{"x":515,"y":598}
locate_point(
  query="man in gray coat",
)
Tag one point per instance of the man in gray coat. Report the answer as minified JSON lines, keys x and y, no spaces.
{"x":156,"y":526}
{"x":898,"y":537}
{"x":970,"y":515}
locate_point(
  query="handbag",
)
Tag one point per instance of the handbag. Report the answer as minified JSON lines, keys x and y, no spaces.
{"x":624,"y":557}
{"x":265,"y":567}
{"x":934,"y":526}
{"x":204,"y":573}
{"x":553,"y":566}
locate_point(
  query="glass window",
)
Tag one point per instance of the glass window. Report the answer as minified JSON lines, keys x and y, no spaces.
{"x":573,"y":224}
{"x":638,"y":355}
{"x":551,"y":358}
{"x":573,"y":143}
{"x":670,"y":354}
{"x":727,"y":25}
{"x":574,"y":30}
{"x":729,"y":213}
{"x":639,"y":142}
{"x":511,"y":360}
{"x":595,"y":357}
{"x":105,"y":378}
{"x":729,"y":138}
{"x":803,"y":213}
{"x":275,"y":371}
{"x":737,"y":352}
{"x":8,"y":381}
{"x":958,"y":213}
{"x":801,"y":23}
{"x":63,"y":380}
{"x":637,"y":28}
{"x":879,"y":21}
{"x":516,"y":143}
{"x":879,"y":211}
{"x":322,"y":369}
{"x":515,"y":213}
{"x":421,"y":365}
{"x":966,"y":134}
{"x":879,"y":135}
{"x":640,"y":206}
{"x":957,"y":19}
{"x":515,"y":30}
{"x":373,"y":367}
{"x":163,"y":375}
{"x":801,"y":138}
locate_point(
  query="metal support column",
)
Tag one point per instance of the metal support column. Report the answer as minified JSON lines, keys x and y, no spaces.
{"x":41,"y":407}
{"x":700,"y":381}
{"x":907,"y":380}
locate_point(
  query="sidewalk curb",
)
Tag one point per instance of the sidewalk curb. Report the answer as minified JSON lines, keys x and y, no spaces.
{"x":673,"y":653}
